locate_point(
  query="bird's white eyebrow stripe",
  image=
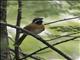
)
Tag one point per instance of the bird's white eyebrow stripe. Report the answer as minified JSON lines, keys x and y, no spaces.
{"x":36,"y":21}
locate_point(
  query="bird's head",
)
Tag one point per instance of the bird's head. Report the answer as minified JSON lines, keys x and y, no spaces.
{"x":38,"y":21}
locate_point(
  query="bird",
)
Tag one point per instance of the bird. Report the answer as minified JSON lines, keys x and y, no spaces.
{"x":35,"y":27}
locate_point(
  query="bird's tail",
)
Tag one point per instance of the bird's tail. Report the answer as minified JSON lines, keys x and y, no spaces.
{"x":20,"y":40}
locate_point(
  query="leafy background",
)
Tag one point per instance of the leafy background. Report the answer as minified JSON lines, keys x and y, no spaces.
{"x":51,"y":11}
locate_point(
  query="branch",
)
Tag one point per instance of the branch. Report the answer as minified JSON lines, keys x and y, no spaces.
{"x":25,"y":54}
{"x":61,"y":20}
{"x":40,"y":39}
{"x":22,"y":52}
{"x":63,"y":36}
{"x":17,"y":30}
{"x":52,"y":45}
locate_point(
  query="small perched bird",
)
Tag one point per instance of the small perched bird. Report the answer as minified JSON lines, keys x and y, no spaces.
{"x":35,"y":27}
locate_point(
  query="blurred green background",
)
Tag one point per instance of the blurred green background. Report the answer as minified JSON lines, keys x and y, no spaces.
{"x":51,"y":11}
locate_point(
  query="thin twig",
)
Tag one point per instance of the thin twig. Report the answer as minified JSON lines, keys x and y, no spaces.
{"x":62,"y":20}
{"x":41,"y":40}
{"x":52,"y":45}
{"x":17,"y":30}
{"x":63,"y":36}
{"x":24,"y":54}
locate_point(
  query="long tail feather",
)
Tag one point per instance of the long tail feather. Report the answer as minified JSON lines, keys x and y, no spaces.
{"x":20,"y":40}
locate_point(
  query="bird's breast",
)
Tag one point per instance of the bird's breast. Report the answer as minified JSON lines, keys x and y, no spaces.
{"x":36,"y":29}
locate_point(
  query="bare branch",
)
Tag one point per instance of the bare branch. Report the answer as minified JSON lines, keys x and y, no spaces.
{"x":40,"y":39}
{"x":62,"y":20}
{"x":63,"y":36}
{"x":53,"y":45}
{"x":20,"y":51}
{"x":17,"y":30}
{"x":24,"y":54}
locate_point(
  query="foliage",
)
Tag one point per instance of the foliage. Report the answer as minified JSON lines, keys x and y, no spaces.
{"x":47,"y":9}
{"x":66,"y":28}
